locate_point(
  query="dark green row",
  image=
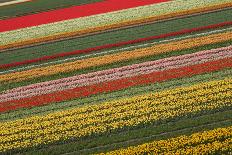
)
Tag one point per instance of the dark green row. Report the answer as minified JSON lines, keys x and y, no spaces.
{"x":2,"y":1}
{"x":7,"y":86}
{"x":127,"y":34}
{"x":36,"y":6}
{"x":184,"y":125}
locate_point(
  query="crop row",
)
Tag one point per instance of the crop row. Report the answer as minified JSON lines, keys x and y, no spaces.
{"x":104,"y":19}
{"x":101,"y":41}
{"x":116,"y":73}
{"x":116,"y":50}
{"x":114,"y":115}
{"x":38,"y":6}
{"x":208,"y":142}
{"x":115,"y":85}
{"x":117,"y":57}
{"x":8,"y":86}
{"x":114,"y":26}
{"x":189,"y":124}
{"x":70,"y":13}
{"x":12,"y":2}
{"x":129,"y":92}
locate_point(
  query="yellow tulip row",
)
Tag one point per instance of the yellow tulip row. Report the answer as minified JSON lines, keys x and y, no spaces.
{"x":117,"y":57}
{"x":110,"y":116}
{"x":207,"y":142}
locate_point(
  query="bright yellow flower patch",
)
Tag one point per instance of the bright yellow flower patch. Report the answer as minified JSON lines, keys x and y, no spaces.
{"x":113,"y":115}
{"x":199,"y":143}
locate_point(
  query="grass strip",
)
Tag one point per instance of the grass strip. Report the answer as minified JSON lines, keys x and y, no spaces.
{"x":115,"y":36}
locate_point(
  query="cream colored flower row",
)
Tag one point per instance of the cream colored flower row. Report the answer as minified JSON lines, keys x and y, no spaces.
{"x":12,"y":2}
{"x":94,"y":21}
{"x":207,"y":142}
{"x":116,"y":57}
{"x":110,"y":116}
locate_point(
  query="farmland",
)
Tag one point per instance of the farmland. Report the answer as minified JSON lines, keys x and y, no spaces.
{"x":112,"y":77}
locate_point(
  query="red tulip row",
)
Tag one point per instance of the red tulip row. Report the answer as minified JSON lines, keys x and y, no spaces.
{"x":115,"y":85}
{"x":71,"y":13}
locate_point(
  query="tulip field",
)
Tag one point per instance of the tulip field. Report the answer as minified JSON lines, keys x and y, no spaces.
{"x":115,"y":77}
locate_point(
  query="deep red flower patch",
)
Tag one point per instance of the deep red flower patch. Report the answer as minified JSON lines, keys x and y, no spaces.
{"x":71,"y":13}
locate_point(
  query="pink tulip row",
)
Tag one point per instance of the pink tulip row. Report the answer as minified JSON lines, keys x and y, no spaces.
{"x":116,"y":73}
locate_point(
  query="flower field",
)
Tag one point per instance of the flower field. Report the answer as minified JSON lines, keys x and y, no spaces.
{"x":115,"y":77}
